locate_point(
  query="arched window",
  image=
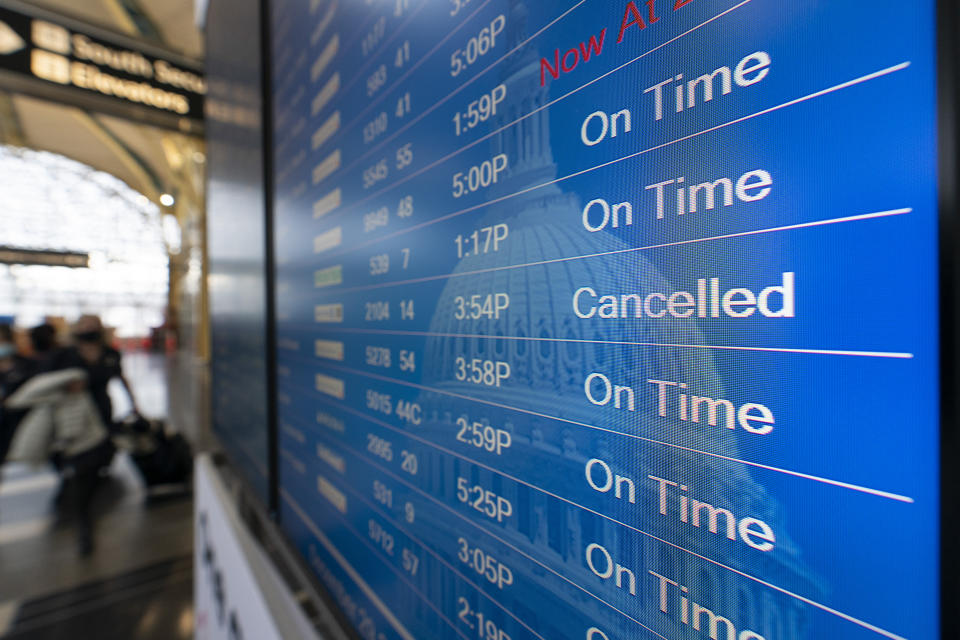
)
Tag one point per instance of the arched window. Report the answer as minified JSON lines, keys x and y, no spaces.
{"x":58,"y":205}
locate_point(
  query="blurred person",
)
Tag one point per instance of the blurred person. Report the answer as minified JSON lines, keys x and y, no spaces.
{"x":101,"y":362}
{"x":45,"y":346}
{"x":63,"y":422}
{"x":15,"y":369}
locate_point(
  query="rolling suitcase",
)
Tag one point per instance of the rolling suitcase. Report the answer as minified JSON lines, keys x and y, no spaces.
{"x":160,"y":457}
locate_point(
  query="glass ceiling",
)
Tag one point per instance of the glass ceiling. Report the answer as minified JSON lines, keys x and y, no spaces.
{"x":50,"y":202}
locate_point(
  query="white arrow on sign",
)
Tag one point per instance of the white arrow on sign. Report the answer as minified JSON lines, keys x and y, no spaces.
{"x":10,"y":41}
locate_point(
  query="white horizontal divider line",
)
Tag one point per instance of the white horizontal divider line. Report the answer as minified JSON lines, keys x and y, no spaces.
{"x":899,"y":355}
{"x":476,"y":525}
{"x":832,"y":352}
{"x":798,"y":474}
{"x":348,"y":568}
{"x":789,"y":103}
{"x":614,"y":252}
{"x":717,"y":563}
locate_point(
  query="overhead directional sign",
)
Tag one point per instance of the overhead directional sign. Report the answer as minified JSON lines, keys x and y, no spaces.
{"x":53,"y":54}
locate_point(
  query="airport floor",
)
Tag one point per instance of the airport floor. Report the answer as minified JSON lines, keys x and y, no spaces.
{"x":138,"y":582}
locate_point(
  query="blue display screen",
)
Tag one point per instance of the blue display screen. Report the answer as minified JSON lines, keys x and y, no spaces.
{"x":610,"y":320}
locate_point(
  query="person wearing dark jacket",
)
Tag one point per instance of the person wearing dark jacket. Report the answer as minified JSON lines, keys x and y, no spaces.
{"x":46,"y":349}
{"x":101,"y":362}
{"x":14,"y":371}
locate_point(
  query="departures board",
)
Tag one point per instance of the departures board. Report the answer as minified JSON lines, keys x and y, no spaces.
{"x":609,"y":320}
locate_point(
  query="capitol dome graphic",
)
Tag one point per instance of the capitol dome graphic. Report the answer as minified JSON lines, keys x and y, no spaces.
{"x":555,"y":430}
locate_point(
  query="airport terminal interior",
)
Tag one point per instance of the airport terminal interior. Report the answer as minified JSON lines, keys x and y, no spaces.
{"x":102,"y":215}
{"x":479,"y":319}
